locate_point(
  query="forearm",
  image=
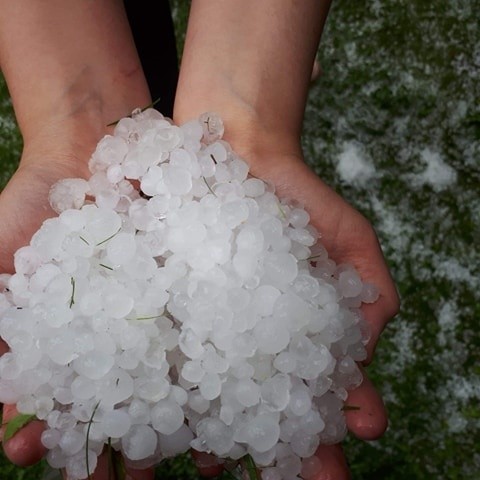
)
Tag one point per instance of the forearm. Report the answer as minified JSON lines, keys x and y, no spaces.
{"x":69,"y":62}
{"x":250,"y":62}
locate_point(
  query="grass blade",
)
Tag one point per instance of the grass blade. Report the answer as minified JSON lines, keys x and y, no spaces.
{"x":16,"y":423}
{"x":109,"y":238}
{"x":87,"y":440}
{"x":119,"y":465}
{"x":72,"y":298}
{"x":208,"y":186}
{"x":109,"y":459}
{"x":250,"y":467}
{"x":150,"y":105}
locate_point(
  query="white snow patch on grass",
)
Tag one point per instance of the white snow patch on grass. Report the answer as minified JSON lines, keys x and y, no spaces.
{"x":354,"y":167}
{"x":447,"y":321}
{"x":7,"y":129}
{"x":7,"y":123}
{"x":464,"y":389}
{"x":438,"y":174}
{"x":403,"y":338}
{"x":396,"y":231}
{"x":451,"y":269}
{"x":456,"y":422}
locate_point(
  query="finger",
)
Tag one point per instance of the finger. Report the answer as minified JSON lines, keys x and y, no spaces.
{"x":352,"y":241}
{"x":3,"y":347}
{"x":378,"y":314}
{"x":208,"y":465}
{"x":25,"y":447}
{"x":104,"y":471}
{"x":370,"y":420}
{"x":147,"y":474}
{"x":374,"y":269}
{"x":333,"y":465}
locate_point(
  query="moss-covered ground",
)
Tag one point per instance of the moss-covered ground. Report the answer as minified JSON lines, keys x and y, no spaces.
{"x":394,"y":125}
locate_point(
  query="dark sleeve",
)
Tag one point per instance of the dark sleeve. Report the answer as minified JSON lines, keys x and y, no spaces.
{"x":152,"y":28}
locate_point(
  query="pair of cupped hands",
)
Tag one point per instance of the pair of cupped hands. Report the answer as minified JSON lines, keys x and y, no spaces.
{"x":61,"y":147}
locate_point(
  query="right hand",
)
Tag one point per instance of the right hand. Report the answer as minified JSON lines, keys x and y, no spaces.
{"x":348,"y":238}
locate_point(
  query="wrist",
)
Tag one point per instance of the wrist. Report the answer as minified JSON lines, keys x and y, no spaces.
{"x":255,"y":75}
{"x":88,"y":103}
{"x":249,"y":131}
{"x":69,"y":64}
{"x":66,"y":125}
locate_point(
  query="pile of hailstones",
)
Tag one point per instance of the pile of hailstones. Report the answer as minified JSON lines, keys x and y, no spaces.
{"x":175,"y":302}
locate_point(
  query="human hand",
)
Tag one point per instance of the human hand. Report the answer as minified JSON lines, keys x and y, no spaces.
{"x":346,"y":234}
{"x":52,"y":155}
{"x":348,"y":238}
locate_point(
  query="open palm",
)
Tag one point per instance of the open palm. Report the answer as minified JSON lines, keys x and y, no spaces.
{"x":346,"y":234}
{"x":349,"y":238}
{"x":23,"y":207}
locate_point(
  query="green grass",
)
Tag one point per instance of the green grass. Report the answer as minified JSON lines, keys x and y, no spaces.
{"x":400,"y":78}
{"x":401,"y":82}
{"x":10,"y":141}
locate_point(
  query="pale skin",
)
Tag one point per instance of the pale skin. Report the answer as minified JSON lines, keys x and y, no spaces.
{"x":72,"y":70}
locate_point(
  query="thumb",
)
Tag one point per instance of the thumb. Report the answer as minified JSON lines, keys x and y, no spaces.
{"x":25,"y":447}
{"x":105,"y":469}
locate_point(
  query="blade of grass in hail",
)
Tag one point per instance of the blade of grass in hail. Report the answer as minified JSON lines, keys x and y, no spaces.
{"x":87,"y":440}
